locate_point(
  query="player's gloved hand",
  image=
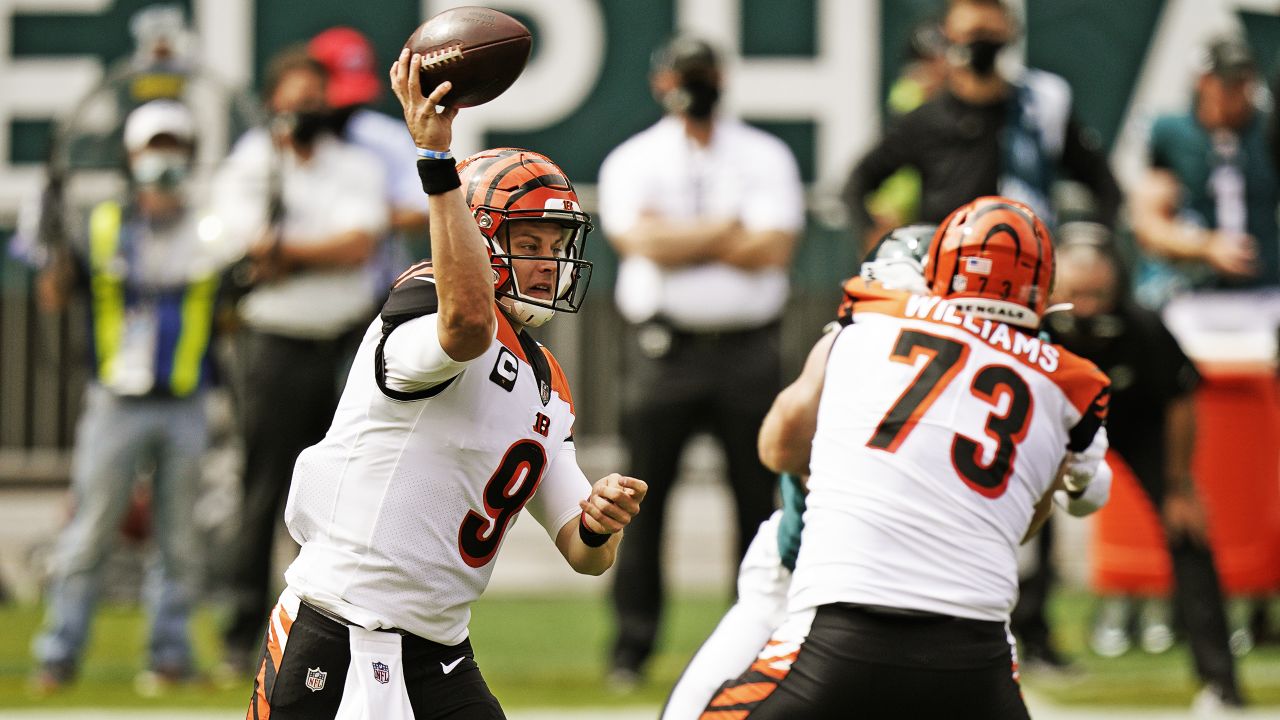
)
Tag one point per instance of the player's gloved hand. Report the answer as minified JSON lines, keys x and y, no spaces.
{"x":613,"y":502}
{"x":1079,"y":469}
{"x":1090,"y":498}
{"x":1076,"y":480}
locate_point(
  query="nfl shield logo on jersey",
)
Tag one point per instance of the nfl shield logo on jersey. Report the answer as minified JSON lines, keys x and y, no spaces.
{"x":315,"y":679}
{"x":381,"y":672}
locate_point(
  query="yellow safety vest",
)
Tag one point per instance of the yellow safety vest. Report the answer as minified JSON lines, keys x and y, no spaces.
{"x":107,"y":289}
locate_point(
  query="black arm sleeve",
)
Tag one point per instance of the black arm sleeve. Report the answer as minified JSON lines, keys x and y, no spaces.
{"x":1081,"y":436}
{"x":892,"y":152}
{"x":1083,"y":159}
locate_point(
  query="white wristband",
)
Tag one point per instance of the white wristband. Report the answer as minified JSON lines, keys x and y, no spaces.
{"x":435,"y":154}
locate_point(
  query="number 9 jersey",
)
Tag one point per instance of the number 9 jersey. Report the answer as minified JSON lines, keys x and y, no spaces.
{"x":938,"y":433}
{"x":402,"y":508}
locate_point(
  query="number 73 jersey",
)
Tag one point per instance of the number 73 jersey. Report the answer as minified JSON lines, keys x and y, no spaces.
{"x":937,"y":434}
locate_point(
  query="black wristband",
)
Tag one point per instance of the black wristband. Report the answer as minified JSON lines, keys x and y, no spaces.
{"x":438,"y":176}
{"x":591,"y":539}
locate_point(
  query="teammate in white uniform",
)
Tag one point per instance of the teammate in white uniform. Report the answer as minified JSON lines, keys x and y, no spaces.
{"x":936,"y":430}
{"x":453,"y":420}
{"x":765,"y":573}
{"x":764,"y":577}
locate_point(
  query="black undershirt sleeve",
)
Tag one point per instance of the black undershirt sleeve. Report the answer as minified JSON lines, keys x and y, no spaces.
{"x":892,"y":152}
{"x":1081,"y":436}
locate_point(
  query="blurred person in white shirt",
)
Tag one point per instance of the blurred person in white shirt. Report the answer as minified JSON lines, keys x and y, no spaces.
{"x":353,"y":85}
{"x":704,"y":211}
{"x":306,"y":209}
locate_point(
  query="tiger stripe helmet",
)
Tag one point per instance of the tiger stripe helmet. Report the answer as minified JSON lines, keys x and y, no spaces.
{"x":511,"y":184}
{"x":994,"y":258}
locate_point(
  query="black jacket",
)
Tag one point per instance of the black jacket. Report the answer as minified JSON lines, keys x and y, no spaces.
{"x":956,"y":148}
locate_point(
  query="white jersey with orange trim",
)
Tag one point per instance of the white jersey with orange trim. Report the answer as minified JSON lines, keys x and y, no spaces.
{"x":937,"y":434}
{"x":403,"y":506}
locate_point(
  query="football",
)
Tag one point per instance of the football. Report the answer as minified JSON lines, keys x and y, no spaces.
{"x":481,"y":51}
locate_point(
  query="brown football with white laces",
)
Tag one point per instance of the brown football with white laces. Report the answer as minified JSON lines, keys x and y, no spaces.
{"x":478,"y":49}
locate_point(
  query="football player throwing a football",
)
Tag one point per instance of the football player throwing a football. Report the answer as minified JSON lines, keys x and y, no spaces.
{"x":934,"y":429}
{"x":452,"y":422}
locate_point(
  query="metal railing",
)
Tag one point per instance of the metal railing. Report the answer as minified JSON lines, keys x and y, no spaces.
{"x":43,"y":365}
{"x":42,"y":376}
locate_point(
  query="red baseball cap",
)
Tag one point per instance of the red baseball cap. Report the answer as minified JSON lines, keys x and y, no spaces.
{"x":348,"y":57}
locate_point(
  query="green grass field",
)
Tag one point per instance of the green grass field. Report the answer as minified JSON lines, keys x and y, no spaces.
{"x":549,"y":652}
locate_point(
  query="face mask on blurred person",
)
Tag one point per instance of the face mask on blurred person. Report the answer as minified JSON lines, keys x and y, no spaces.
{"x":696,"y":97}
{"x":303,"y":127}
{"x":309,"y":124}
{"x":337,"y":120}
{"x":980,"y":55}
{"x":161,"y":169}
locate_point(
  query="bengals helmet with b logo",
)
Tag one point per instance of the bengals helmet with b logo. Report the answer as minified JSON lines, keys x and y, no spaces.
{"x":507,"y":185}
{"x":994,"y":259}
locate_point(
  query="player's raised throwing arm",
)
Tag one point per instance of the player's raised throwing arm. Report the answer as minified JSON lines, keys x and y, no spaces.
{"x":463,"y":275}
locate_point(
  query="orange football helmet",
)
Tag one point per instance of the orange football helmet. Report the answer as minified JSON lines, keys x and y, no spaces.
{"x":510,"y":184}
{"x":994,"y":258}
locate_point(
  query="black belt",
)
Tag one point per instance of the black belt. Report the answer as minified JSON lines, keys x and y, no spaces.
{"x":409,"y":641}
{"x":719,"y":335}
{"x":680,"y":333}
{"x":895,"y":612}
{"x":307,"y":344}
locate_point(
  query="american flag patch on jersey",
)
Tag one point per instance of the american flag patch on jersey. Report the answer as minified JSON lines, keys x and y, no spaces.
{"x":977,"y":265}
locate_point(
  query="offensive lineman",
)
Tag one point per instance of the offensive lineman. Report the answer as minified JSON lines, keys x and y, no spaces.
{"x":452,"y":420}
{"x":935,"y":429}
{"x":765,"y":573}
{"x":894,"y":265}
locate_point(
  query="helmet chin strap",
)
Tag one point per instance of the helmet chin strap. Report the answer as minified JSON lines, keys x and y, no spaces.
{"x":526,"y":313}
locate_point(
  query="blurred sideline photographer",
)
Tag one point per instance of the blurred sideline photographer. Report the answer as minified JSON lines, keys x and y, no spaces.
{"x":704,"y":211}
{"x":987,"y":132}
{"x":1152,"y":428}
{"x":306,"y":209}
{"x":349,"y":59}
{"x":151,"y":278}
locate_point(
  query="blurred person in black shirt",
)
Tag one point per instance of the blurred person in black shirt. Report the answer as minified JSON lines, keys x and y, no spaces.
{"x":990,"y":131}
{"x":1151,"y":426}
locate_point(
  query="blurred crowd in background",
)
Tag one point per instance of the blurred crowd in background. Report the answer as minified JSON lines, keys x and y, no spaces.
{"x":217,"y":298}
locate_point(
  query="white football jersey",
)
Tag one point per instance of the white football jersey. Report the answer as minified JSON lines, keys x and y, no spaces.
{"x":937,"y":434}
{"x":401,"y":509}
